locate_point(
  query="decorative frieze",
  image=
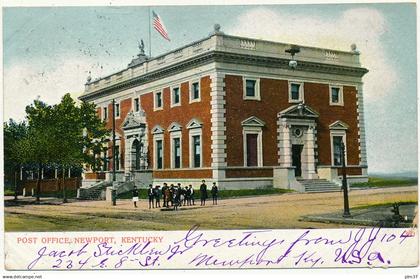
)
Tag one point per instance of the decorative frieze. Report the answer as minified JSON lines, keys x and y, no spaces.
{"x":197,"y":44}
{"x":248,"y":44}
{"x":331,"y":55}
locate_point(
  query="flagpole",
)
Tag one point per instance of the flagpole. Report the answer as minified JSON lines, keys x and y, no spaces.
{"x":150,"y":37}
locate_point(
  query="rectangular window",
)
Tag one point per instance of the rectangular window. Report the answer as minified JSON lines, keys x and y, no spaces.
{"x":295,"y":92}
{"x":117,"y":110}
{"x":196,"y":151}
{"x":250,"y":87}
{"x":195,"y":90}
{"x":177,"y":152}
{"x":136,"y":104}
{"x":252,"y":150}
{"x":336,"y":95}
{"x":117,"y":157}
{"x":158,"y":100}
{"x":176,"y":98}
{"x":105,"y":114}
{"x":337,"y":150}
{"x":159,"y":154}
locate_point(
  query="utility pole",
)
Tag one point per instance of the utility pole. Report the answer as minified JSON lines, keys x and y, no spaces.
{"x":113,"y":140}
{"x":346,"y":213}
{"x":114,"y":191}
{"x":150,"y":35}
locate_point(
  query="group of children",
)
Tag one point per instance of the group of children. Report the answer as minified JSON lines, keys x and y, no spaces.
{"x":176,"y":196}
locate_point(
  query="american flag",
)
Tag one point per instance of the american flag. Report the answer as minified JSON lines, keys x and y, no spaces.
{"x":158,"y":25}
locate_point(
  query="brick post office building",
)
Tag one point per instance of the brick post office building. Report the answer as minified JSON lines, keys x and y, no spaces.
{"x":235,"y":111}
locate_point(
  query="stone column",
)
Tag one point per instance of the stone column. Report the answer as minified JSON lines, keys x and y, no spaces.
{"x":284,"y":175}
{"x":286,"y":150}
{"x":310,"y":152}
{"x":144,"y":164}
{"x":128,"y":156}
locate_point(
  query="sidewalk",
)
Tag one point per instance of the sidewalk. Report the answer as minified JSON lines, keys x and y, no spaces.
{"x":10,"y":200}
{"x":372,"y":216}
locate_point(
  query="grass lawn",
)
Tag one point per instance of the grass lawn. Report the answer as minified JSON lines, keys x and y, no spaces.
{"x":387,"y":182}
{"x":9,"y":192}
{"x":69,"y":222}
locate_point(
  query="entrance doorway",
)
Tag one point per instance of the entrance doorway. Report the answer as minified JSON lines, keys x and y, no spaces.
{"x":297,"y":159}
{"x":136,"y":154}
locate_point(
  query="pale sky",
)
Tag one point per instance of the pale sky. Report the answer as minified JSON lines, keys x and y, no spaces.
{"x":49,"y":51}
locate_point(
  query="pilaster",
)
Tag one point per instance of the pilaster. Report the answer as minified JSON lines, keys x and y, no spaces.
{"x":218,"y":124}
{"x":361,"y":126}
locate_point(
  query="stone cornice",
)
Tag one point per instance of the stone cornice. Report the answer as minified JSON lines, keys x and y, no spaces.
{"x":274,"y":62}
{"x":226,"y":57}
{"x":149,"y":77}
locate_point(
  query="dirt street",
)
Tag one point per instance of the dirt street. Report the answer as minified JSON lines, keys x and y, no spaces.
{"x":275,"y":211}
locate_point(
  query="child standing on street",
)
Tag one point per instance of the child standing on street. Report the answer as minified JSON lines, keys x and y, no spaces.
{"x":135,"y":196}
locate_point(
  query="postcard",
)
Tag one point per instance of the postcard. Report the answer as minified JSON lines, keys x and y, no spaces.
{"x":175,"y":136}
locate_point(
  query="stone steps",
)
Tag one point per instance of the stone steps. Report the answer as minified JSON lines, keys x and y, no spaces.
{"x":319,"y":185}
{"x":93,"y":192}
{"x":98,"y":190}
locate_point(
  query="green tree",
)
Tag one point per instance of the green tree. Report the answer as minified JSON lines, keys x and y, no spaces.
{"x":13,"y":133}
{"x":68,"y":136}
{"x":63,"y":135}
{"x":38,"y":147}
{"x":95,"y":136}
{"x":79,"y":133}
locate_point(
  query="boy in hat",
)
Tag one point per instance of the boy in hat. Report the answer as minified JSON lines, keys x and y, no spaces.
{"x":150,"y":194}
{"x":203,"y":193}
{"x":214,"y":193}
{"x":158,"y":195}
{"x":135,"y":196}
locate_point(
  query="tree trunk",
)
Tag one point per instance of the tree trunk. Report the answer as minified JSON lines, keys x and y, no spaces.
{"x":64,"y":186}
{"x":57,"y":186}
{"x":16,"y":187}
{"x":23,"y":179}
{"x":38,"y":183}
